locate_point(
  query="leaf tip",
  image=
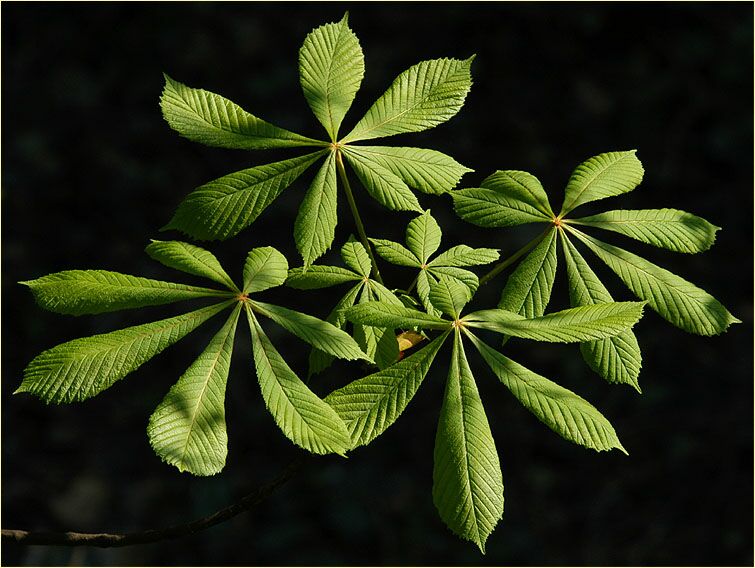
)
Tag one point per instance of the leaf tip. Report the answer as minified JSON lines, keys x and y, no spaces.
{"x":345,"y":19}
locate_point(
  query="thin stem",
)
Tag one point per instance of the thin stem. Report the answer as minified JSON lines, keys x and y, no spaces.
{"x":413,"y":284}
{"x":107,"y":540}
{"x":504,"y":264}
{"x":355,"y":213}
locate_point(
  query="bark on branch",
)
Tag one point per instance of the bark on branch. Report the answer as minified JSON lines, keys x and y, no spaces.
{"x":106,"y":540}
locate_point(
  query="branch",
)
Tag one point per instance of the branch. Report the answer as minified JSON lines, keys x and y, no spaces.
{"x":106,"y":540}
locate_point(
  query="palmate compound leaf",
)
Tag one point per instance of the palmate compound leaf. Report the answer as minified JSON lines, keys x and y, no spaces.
{"x":680,"y":302}
{"x":190,"y":259}
{"x":82,"y":368}
{"x":207,"y":118}
{"x":584,"y":323}
{"x":316,"y":332}
{"x":467,"y":480}
{"x":368,"y":406}
{"x":528,"y":289}
{"x":567,"y":414}
{"x":617,"y":359}
{"x":79,"y":292}
{"x":671,"y":229}
{"x":300,"y":414}
{"x":222,"y":208}
{"x":187,"y":430}
{"x":315,"y":225}
{"x":331,"y":68}
{"x":605,"y":175}
{"x":425,"y":95}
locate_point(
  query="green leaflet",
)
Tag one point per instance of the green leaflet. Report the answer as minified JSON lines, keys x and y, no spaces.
{"x":187,"y":429}
{"x":449,"y":296}
{"x":467,"y":481}
{"x":617,"y":359}
{"x":319,"y":360}
{"x":584,"y":323}
{"x":462,"y":255}
{"x":428,"y":171}
{"x":222,"y":208}
{"x":315,"y":225}
{"x":521,"y":186}
{"x":424,"y":281}
{"x":489,"y":208}
{"x":425,"y":95}
{"x":384,"y":186}
{"x":318,"y":333}
{"x":319,"y":276}
{"x":395,"y":253}
{"x":355,"y":256}
{"x":368,"y":406}
{"x":423,"y":236}
{"x":528,"y":289}
{"x":303,"y":417}
{"x":264,"y":268}
{"x":605,"y":175}
{"x":366,"y":336}
{"x":331,"y":68}
{"x":207,"y":118}
{"x":79,"y":292}
{"x":190,"y":259}
{"x":383,"y":314}
{"x":680,"y":302}
{"x":671,"y":229}
{"x":80,"y":369}
{"x":465,"y":277}
{"x":564,"y":412}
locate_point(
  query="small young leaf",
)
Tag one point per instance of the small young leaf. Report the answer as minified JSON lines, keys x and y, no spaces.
{"x":489,"y":208}
{"x":319,"y":276}
{"x":425,"y":95}
{"x":331,"y":68}
{"x":356,"y":257}
{"x":423,"y":236}
{"x":187,"y":429}
{"x":671,"y":229}
{"x":368,"y":406}
{"x":207,"y":118}
{"x":319,"y":360}
{"x":521,"y":186}
{"x":449,"y":296}
{"x":617,"y":359}
{"x":316,"y":332}
{"x":79,"y":292}
{"x":467,"y":481}
{"x":264,"y":268}
{"x":564,"y":412}
{"x":85,"y":367}
{"x":190,"y":259}
{"x":680,"y":302}
{"x":300,"y":414}
{"x":462,"y":255}
{"x":584,"y":323}
{"x":222,"y":208}
{"x":395,"y":253}
{"x":428,"y":171}
{"x":528,"y":289}
{"x":315,"y":225}
{"x":382,"y":314}
{"x":384,"y":186}
{"x":605,"y":175}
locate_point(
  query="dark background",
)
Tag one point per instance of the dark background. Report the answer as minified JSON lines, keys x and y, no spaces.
{"x":90,"y":171}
